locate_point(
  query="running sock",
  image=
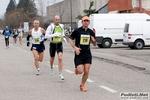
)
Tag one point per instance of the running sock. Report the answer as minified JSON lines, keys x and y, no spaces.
{"x":51,"y":67}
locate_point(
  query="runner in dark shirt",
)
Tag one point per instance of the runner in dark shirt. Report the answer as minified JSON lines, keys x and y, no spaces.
{"x":83,"y":57}
{"x":6,"y":34}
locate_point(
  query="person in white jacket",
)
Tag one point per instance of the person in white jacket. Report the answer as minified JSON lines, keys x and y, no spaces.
{"x":55,"y":32}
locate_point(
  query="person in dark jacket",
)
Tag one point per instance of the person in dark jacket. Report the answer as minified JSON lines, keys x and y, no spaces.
{"x":6,"y":34}
{"x":15,"y":35}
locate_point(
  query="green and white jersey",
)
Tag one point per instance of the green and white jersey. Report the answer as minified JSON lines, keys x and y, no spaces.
{"x":57,"y":30}
{"x":53,"y":29}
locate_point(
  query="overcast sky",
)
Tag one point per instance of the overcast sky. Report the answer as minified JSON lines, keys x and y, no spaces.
{"x":4,"y":4}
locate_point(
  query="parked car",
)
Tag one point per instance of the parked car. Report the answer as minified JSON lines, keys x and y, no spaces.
{"x":137,"y":35}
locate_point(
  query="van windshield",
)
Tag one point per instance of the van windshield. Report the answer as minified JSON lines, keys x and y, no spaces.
{"x":126,"y":28}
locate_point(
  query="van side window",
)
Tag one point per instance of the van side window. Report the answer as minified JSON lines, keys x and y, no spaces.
{"x":126,"y":28}
{"x":147,"y":19}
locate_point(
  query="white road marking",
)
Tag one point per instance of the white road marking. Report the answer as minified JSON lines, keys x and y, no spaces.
{"x":108,"y":89}
{"x":23,"y":50}
{"x":90,"y":80}
{"x":69,"y":71}
{"x":55,"y":65}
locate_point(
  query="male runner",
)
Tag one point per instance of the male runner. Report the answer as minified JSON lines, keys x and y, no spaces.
{"x":83,"y":57}
{"x":38,"y":47}
{"x":56,"y":33}
{"x":6,"y":34}
{"x":15,"y":34}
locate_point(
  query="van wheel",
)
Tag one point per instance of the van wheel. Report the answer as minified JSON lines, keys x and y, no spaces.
{"x":100,"y":45}
{"x":138,"y":44}
{"x":131,"y":47}
{"x":106,"y":43}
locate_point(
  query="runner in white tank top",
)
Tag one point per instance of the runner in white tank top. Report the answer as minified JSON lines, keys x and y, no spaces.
{"x":38,"y":47}
{"x":20,"y":34}
{"x":37,"y":36}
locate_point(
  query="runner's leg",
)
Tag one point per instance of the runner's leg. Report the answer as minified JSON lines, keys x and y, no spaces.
{"x":85,"y":77}
{"x":6,"y":42}
{"x":36,"y":58}
{"x":52,"y":61}
{"x":60,"y":62}
{"x":15,"y":40}
{"x":79,"y":69}
{"x":41,"y":56}
{"x":52,"y":50}
{"x":60,"y":65}
{"x":86,"y":73}
{"x":21,"y":40}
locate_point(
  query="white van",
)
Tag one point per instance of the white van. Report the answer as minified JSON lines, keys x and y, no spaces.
{"x":109,"y":27}
{"x":137,"y":35}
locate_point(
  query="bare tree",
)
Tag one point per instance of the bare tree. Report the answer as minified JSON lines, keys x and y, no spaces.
{"x":41,"y":7}
{"x":61,"y":10}
{"x":16,"y":18}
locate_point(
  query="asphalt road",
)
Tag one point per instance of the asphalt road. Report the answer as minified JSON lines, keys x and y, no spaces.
{"x":114,"y":70}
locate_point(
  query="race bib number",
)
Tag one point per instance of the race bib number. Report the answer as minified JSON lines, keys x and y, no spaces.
{"x":21,"y":33}
{"x":6,"y":36}
{"x":16,"y":33}
{"x":37,"y":40}
{"x":56,"y":39}
{"x":85,"y":39}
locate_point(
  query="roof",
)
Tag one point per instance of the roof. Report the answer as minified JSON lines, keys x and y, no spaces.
{"x":102,"y":7}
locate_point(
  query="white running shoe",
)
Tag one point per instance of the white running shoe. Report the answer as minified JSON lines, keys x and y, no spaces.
{"x":61,"y":77}
{"x":38,"y":72}
{"x":51,"y":71}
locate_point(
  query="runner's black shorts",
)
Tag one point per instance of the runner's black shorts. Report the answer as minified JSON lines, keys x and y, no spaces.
{"x":15,"y":36}
{"x":39,"y":47}
{"x":55,"y":47}
{"x":82,"y":59}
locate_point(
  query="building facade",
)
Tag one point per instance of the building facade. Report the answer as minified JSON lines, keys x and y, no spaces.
{"x":68,"y":10}
{"x":129,"y":6}
{"x":76,"y":7}
{"x":142,"y":6}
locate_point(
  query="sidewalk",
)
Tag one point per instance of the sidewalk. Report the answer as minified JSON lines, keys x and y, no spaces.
{"x":141,"y":65}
